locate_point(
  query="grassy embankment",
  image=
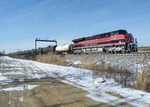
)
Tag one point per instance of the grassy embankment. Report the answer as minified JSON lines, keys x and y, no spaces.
{"x":121,"y":75}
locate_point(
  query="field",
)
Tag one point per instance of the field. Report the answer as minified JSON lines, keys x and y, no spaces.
{"x":29,"y":83}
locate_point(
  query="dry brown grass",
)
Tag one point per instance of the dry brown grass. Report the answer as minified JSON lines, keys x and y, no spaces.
{"x":15,"y":56}
{"x":52,"y":59}
{"x":104,"y":68}
{"x":115,"y":94}
{"x":27,"y":56}
{"x":143,"y":80}
{"x":120,"y":75}
{"x":91,"y":67}
{"x":143,"y":77}
{"x":144,"y":48}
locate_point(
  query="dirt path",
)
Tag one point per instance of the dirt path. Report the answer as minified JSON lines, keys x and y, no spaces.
{"x":49,"y":93}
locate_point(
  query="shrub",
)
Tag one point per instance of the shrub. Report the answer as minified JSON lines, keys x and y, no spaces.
{"x":143,"y":80}
{"x":52,"y":59}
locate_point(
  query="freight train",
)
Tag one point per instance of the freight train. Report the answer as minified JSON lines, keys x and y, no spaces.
{"x":110,"y":42}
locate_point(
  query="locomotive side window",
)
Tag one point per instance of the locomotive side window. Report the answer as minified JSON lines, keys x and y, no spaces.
{"x":117,"y":33}
{"x":112,"y":34}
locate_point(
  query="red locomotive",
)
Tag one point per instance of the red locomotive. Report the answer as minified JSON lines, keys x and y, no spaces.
{"x":115,"y":41}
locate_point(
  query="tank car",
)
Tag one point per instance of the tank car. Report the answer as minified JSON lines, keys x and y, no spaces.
{"x":64,"y":48}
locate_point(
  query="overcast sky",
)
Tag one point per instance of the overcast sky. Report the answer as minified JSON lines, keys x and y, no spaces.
{"x":21,"y":21}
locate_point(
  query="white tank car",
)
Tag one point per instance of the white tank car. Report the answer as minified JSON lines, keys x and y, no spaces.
{"x":64,"y":48}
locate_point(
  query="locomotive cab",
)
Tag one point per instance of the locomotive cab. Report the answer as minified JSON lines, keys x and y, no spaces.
{"x":133,"y":44}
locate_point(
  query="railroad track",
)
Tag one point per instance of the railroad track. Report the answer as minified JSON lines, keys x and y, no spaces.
{"x":132,"y":54}
{"x":123,"y":54}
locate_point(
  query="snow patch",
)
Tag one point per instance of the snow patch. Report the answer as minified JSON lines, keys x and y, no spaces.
{"x":4,"y":80}
{"x":13,"y":73}
{"x":77,"y":62}
{"x":21,"y":99}
{"x":20,"y":88}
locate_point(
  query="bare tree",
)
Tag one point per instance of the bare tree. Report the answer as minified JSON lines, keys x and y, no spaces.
{"x":2,"y":53}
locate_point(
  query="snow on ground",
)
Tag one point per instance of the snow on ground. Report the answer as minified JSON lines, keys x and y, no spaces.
{"x":2,"y":77}
{"x":4,"y":80}
{"x":98,"y":88}
{"x":76,"y":62}
{"x":20,"y":88}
